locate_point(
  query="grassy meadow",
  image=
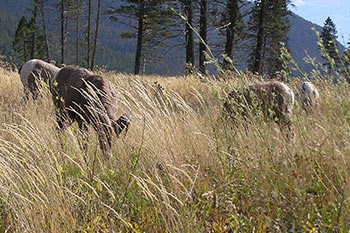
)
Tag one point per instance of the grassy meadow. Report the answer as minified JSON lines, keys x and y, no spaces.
{"x":181,"y":167}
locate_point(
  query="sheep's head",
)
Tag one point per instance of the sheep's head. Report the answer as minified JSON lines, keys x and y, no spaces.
{"x":122,"y":123}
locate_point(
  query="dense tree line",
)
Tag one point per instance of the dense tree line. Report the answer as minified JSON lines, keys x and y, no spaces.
{"x":267,"y":27}
{"x":158,"y":26}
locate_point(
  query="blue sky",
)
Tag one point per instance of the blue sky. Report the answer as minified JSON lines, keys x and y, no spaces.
{"x":317,"y":12}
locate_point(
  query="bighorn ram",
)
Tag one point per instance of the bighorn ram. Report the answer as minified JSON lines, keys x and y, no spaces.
{"x":274,"y":99}
{"x":308,"y":96}
{"x":88,"y":99}
{"x":32,"y":71}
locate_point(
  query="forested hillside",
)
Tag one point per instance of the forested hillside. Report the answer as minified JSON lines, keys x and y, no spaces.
{"x":117,"y":53}
{"x":8,"y":23}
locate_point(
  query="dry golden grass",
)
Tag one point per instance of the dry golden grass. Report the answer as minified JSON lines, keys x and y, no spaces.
{"x":180,"y":168}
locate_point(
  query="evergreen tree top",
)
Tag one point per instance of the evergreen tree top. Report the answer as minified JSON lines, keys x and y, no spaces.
{"x":329,"y":31}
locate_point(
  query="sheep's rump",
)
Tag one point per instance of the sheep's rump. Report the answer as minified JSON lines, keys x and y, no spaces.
{"x":308,"y":95}
{"x":274,"y":99}
{"x":34,"y":70}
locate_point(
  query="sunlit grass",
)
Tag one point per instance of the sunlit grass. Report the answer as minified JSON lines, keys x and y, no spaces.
{"x":180,"y":168}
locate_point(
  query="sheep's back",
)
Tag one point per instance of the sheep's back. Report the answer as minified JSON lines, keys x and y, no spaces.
{"x":73,"y":90}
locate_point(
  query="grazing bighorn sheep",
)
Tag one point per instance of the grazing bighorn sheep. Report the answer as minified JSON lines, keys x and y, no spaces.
{"x":275,"y":100}
{"x":33,"y":71}
{"x":86,"y":98}
{"x":308,"y":96}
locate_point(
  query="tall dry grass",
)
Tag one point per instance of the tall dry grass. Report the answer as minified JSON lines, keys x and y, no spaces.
{"x":180,"y":168}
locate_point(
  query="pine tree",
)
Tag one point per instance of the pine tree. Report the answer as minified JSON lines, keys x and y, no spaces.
{"x":232,"y":19}
{"x":33,"y":26}
{"x":35,"y":40}
{"x":89,"y":33}
{"x":76,"y":8}
{"x":328,"y":38}
{"x":260,"y":7}
{"x":188,"y":8}
{"x":203,"y":31}
{"x":151,"y":28}
{"x":43,"y":24}
{"x":63,"y":30}
{"x":19,"y":44}
{"x":185,"y":23}
{"x":96,"y":34}
{"x":268,"y":27}
{"x":276,"y":35}
{"x":29,"y":41}
{"x":346,"y":61}
{"x":141,"y":17}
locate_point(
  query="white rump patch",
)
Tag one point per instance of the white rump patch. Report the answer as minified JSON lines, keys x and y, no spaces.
{"x":27,"y":68}
{"x":307,"y":89}
{"x":308,"y":94}
{"x":291,"y":93}
{"x":45,"y":67}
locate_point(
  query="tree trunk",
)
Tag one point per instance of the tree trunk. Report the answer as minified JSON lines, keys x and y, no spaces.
{"x":203,"y":34}
{"x":35,"y":14}
{"x":263,"y":56}
{"x":232,"y":7}
{"x":66,"y":21}
{"x":139,"y":36}
{"x":62,"y":32}
{"x":260,"y":38}
{"x":77,"y":38}
{"x":96,"y":34}
{"x":88,"y":34}
{"x":25,"y":51}
{"x":47,"y":50}
{"x":189,"y":38}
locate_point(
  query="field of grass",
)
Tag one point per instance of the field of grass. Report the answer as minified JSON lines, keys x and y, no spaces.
{"x":180,"y":168}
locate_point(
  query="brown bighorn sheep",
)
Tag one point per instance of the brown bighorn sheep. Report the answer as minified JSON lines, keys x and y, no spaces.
{"x":308,"y":96}
{"x":33,"y":71}
{"x":275,"y":100}
{"x":88,"y":99}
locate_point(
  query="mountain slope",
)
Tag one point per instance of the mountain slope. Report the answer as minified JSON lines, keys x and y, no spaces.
{"x":303,"y":40}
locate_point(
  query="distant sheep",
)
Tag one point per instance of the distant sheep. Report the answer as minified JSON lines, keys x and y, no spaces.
{"x":308,"y":96}
{"x":33,"y":71}
{"x":274,"y":99}
{"x":88,"y":99}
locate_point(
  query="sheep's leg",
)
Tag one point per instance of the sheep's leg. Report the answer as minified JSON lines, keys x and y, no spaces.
{"x":85,"y":136}
{"x":61,"y":119}
{"x":62,"y":122}
{"x":285,"y":126}
{"x":105,"y":141}
{"x":27,"y":94}
{"x":33,"y":84}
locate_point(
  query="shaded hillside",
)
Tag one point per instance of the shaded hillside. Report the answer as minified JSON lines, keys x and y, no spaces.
{"x":7,"y":32}
{"x":303,"y":40}
{"x":14,"y":7}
